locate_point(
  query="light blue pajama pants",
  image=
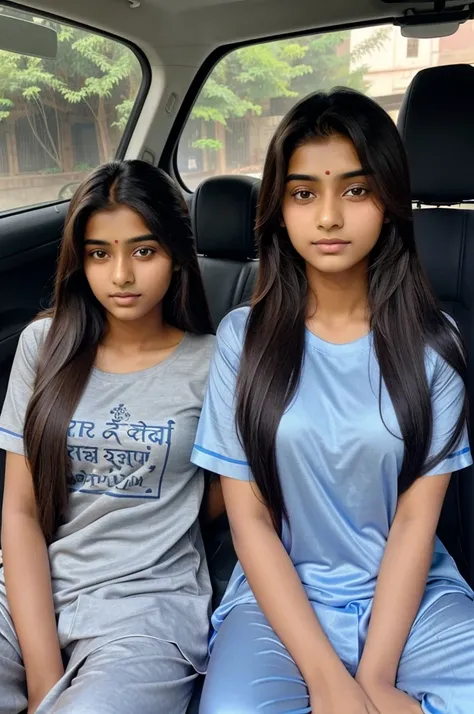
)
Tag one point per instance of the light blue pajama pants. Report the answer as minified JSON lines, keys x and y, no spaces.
{"x":251,"y":672}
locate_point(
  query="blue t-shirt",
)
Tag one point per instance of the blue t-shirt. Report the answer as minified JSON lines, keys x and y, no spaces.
{"x":338,"y":462}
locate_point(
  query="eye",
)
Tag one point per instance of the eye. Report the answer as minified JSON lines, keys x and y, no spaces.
{"x":144,"y":252}
{"x":98,"y":254}
{"x":303,"y":194}
{"x":357,"y":191}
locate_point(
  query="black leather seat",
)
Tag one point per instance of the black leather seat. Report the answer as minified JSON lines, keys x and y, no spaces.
{"x":223,"y":211}
{"x":437,"y":124}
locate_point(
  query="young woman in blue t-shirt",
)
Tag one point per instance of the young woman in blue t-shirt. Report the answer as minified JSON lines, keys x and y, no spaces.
{"x":335,"y":414}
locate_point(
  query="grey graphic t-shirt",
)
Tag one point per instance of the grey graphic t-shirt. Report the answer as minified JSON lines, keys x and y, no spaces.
{"x":134,"y":495}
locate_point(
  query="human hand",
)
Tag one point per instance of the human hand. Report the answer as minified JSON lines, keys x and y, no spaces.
{"x":342,"y":696}
{"x":390,"y":700}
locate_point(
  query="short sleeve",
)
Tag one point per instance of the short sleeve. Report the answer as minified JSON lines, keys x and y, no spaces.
{"x":217,"y":446}
{"x":447,"y":400}
{"x":20,"y":387}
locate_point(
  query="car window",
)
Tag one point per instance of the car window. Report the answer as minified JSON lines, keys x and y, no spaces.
{"x":60,"y":118}
{"x":251,"y":88}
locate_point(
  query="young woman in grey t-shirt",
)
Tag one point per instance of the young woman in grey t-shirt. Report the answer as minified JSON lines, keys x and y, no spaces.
{"x":105,"y":595}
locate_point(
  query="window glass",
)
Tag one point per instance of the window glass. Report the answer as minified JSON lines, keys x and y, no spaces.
{"x":250,"y":90}
{"x":61,"y":118}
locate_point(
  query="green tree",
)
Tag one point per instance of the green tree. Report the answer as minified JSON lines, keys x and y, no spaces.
{"x":103,"y":74}
{"x":334,"y":63}
{"x":246,"y":79}
{"x":100,"y":74}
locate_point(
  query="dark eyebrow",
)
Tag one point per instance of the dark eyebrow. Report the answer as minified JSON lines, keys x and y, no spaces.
{"x":355,"y":174}
{"x":307,"y":177}
{"x":96,"y":242}
{"x":130,"y":241}
{"x":140,"y":239}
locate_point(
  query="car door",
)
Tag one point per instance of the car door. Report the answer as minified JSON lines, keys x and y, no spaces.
{"x":29,"y":243}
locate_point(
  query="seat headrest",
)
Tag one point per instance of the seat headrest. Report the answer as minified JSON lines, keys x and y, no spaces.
{"x":223,"y":213}
{"x":436,"y":122}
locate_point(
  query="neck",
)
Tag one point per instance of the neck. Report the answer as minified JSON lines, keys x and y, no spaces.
{"x":334,"y":297}
{"x":136,"y":334}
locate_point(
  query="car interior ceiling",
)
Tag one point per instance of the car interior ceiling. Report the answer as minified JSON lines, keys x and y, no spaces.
{"x":182,"y":40}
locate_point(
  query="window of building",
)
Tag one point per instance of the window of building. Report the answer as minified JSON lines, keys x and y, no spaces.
{"x":413,"y":47}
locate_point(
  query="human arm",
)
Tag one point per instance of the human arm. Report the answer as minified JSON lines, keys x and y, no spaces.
{"x":400,"y":587}
{"x":408,"y":555}
{"x":28,"y":582}
{"x":26,"y":564}
{"x":282,"y":598}
{"x":213,"y":504}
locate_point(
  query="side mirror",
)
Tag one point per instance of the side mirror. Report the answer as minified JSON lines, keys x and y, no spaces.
{"x":27,"y":38}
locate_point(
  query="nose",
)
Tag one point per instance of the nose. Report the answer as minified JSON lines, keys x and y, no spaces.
{"x":122,"y":271}
{"x":329,"y":215}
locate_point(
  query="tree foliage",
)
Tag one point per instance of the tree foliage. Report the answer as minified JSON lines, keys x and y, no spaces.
{"x":99,"y":74}
{"x":246,"y":79}
{"x":101,"y":78}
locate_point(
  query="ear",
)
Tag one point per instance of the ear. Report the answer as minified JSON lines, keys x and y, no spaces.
{"x":176,"y":268}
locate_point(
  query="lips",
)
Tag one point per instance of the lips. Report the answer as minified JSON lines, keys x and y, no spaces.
{"x":125,"y":295}
{"x":331,"y":241}
{"x":125,"y":299}
{"x":331,"y":246}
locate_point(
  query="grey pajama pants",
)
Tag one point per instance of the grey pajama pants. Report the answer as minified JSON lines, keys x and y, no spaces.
{"x":130,"y":674}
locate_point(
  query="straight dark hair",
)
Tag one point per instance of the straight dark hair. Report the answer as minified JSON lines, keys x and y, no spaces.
{"x":79,"y":321}
{"x":405,"y":318}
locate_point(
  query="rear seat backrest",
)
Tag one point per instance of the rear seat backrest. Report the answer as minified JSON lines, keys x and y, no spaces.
{"x":223,"y":211}
{"x":437,"y":124}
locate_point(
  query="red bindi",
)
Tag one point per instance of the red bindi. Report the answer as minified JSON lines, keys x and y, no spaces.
{"x":328,"y":173}
{"x":116,"y":241}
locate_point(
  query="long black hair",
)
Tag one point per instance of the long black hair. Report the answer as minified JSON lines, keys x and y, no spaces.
{"x":79,"y":321}
{"x":404,"y":315}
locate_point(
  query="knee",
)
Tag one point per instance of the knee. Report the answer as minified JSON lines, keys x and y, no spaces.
{"x":69,"y":707}
{"x":224,"y":706}
{"x":67,"y":703}
{"x":224,"y":699}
